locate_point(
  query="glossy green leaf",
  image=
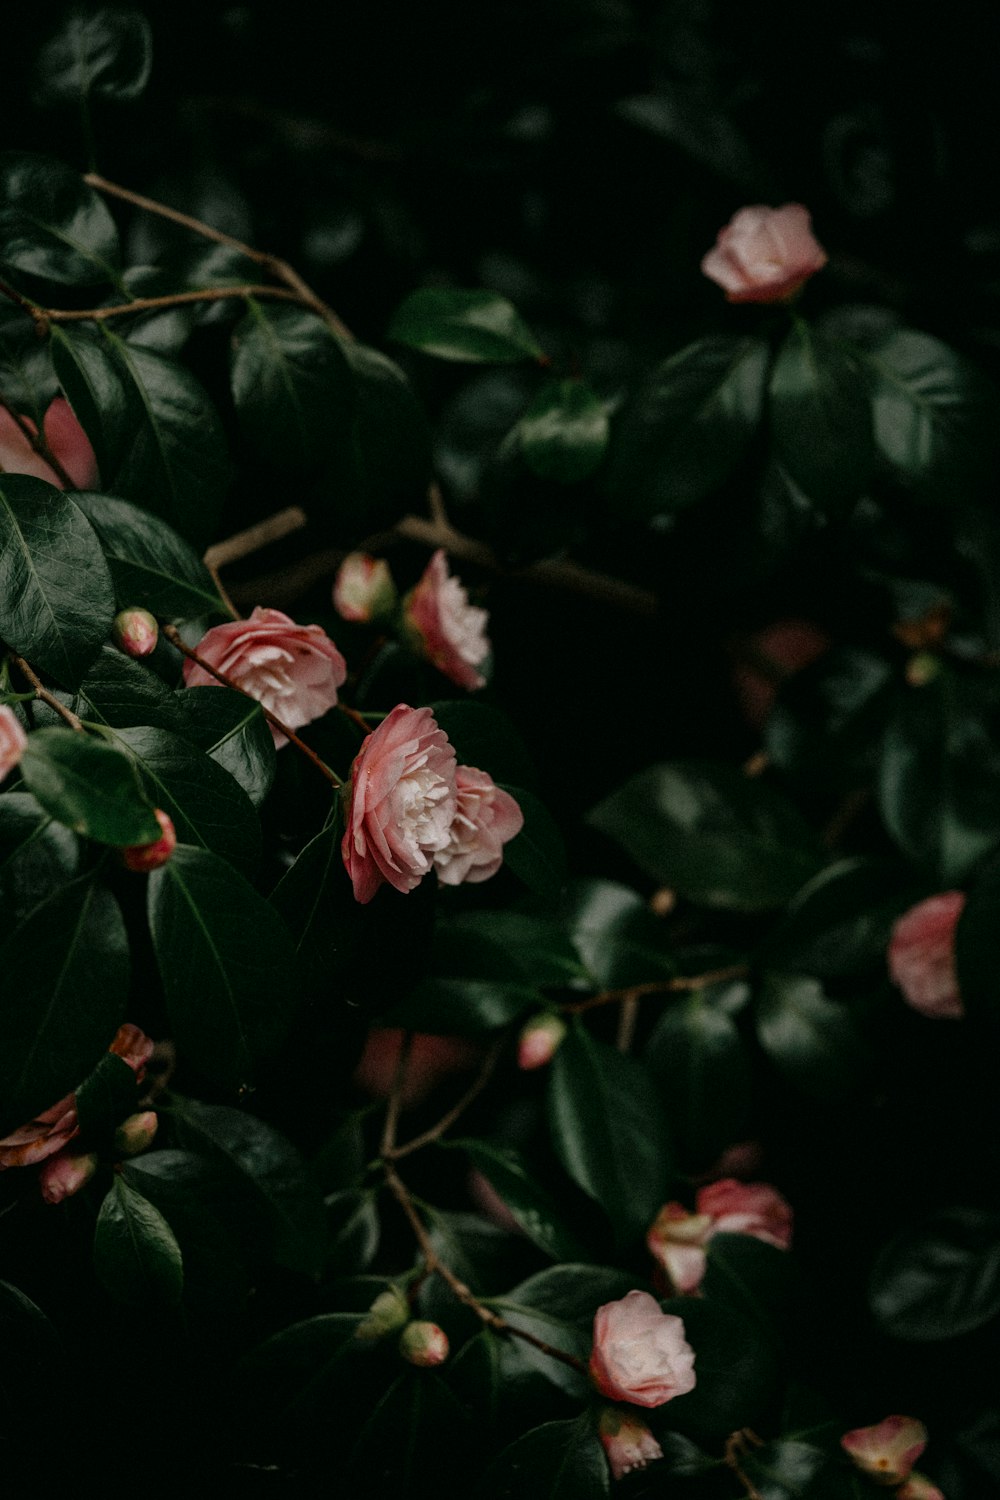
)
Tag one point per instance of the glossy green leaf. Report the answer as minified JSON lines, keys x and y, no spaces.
{"x":531,"y":1204}
{"x":136,"y":1255}
{"x":466,"y":1007}
{"x":736,"y":1370}
{"x":316,"y":901}
{"x":467,"y":325}
{"x":829,"y":718}
{"x":515,"y":944}
{"x":52,"y":224}
{"x":564,"y":432}
{"x":105,"y":53}
{"x":557,"y":1461}
{"x":37,"y":854}
{"x":821,"y":417}
{"x":27,"y":379}
{"x":226,"y":962}
{"x":618,"y":938}
{"x":756,"y":1279}
{"x":608,"y":1129}
{"x":151,"y":565}
{"x":940,"y":1278}
{"x":66,"y":976}
{"x":106,"y":1096}
{"x":292,"y":385}
{"x":385,"y":463}
{"x":289,"y":1382}
{"x":208,"y":806}
{"x":710,"y":833}
{"x":814,"y":1041}
{"x":696,"y":1054}
{"x":56,"y":599}
{"x":123,"y":693}
{"x":90,"y":786}
{"x":688,"y":425}
{"x":418,"y":1428}
{"x":231,"y":729}
{"x":537,"y":855}
{"x":839,"y":923}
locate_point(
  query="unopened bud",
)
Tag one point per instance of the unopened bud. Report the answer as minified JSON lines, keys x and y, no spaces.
{"x":922,"y":669}
{"x":423,"y":1344}
{"x":65,"y":1174}
{"x":135,"y":632}
{"x":363,"y":589}
{"x":145,"y":857}
{"x":388,"y":1312}
{"x":539,"y":1040}
{"x":626,"y":1440}
{"x":136,"y":1134}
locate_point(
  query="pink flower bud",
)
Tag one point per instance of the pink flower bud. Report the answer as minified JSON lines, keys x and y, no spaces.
{"x":539,"y":1040}
{"x":445,"y":627}
{"x":423,"y":1344}
{"x":764,"y":254}
{"x":917,"y":1487}
{"x":677,"y":1238}
{"x":136,"y":1133}
{"x":889,"y":1449}
{"x":922,"y":669}
{"x":363,"y":589}
{"x":640,"y":1353}
{"x":388,"y":1312}
{"x":12,"y":740}
{"x":64,"y":1174}
{"x":626,"y":1440}
{"x":135,"y":632}
{"x":145,"y":857}
{"x":922,"y":955}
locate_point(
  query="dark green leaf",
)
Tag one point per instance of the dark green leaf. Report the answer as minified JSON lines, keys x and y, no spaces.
{"x":353,"y":1231}
{"x":135,"y":1253}
{"x":66,"y":976}
{"x":754,"y":1278}
{"x":531,"y":1204}
{"x":828,"y":720}
{"x":557,"y":1461}
{"x":105,"y":54}
{"x":537,"y":855}
{"x":484,"y":737}
{"x":941,"y":1278}
{"x":232,"y":730}
{"x":467,"y":1007}
{"x":478,"y":326}
{"x":27,"y":379}
{"x":37,"y":854}
{"x":56,"y":599}
{"x":608,"y":1130}
{"x":736,"y":1373}
{"x":521,"y":944}
{"x":418,"y":1428}
{"x":90,"y":786}
{"x":151,"y":565}
{"x":785,"y":1470}
{"x":814,"y":1041}
{"x":385,"y":464}
{"x":226,"y":962}
{"x":316,"y":901}
{"x":564,"y":432}
{"x":839,"y":923}
{"x":687,"y":427}
{"x":712,"y":834}
{"x":291,"y":1380}
{"x":616,"y":935}
{"x":123,"y":693}
{"x":696,"y":1054}
{"x":106,"y":1095}
{"x":821,"y":417}
{"x":52,"y":224}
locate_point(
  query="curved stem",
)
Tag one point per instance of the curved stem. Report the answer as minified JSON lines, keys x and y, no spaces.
{"x":28,"y":672}
{"x":150,"y":304}
{"x":393,"y":1152}
{"x":680,"y":984}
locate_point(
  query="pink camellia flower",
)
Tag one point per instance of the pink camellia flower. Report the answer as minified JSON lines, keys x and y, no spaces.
{"x":539,"y":1041}
{"x":626,"y":1440}
{"x":640,"y":1353}
{"x":919,"y":1487}
{"x":485,"y":819}
{"x":142,"y":858}
{"x":12,"y":740}
{"x":764,"y":254}
{"x":888,"y":1450}
{"x":423,"y":1344}
{"x":449,"y":630}
{"x":67,"y":442}
{"x":432,"y":1059}
{"x":293,"y":670}
{"x":65,"y":1174}
{"x":135,"y":632}
{"x":922,"y":955}
{"x":363,"y":589}
{"x":677,"y":1239}
{"x":400,"y":802}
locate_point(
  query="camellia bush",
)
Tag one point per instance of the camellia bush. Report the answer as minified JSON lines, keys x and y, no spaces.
{"x":474,"y":1022}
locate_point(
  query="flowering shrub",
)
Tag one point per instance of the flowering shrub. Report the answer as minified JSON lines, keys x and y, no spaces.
{"x":523,"y":757}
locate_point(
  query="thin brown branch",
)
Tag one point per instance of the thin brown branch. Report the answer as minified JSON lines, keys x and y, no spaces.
{"x":169,"y":299}
{"x":42,"y":692}
{"x":244,"y":543}
{"x":22,"y":301}
{"x":627,"y":1018}
{"x":458,"y":1288}
{"x":738,"y":1444}
{"x":221,"y":591}
{"x":173,"y":635}
{"x":679,"y":984}
{"x":447,"y":1120}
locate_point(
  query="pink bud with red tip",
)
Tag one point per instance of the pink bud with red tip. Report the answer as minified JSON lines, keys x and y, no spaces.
{"x":539,"y":1041}
{"x":65,"y":1174}
{"x":135,"y":632}
{"x":145,"y":857}
{"x":423,"y":1344}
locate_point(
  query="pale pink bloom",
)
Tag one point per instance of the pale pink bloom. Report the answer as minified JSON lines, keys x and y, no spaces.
{"x":12,"y":740}
{"x":889,"y":1449}
{"x":922,"y":955}
{"x":918,"y":1487}
{"x":400,"y":802}
{"x":293,"y":670}
{"x":431,"y":1060}
{"x":677,"y":1239}
{"x":450,"y":631}
{"x":640,"y":1353}
{"x":65,"y":1174}
{"x":539,"y":1040}
{"x":137,"y":1133}
{"x":67,"y":441}
{"x":485,"y":819}
{"x":145,"y":857}
{"x":363,"y":588}
{"x":764,"y":254}
{"x":423,"y":1344}
{"x":626,"y":1440}
{"x":135,"y":632}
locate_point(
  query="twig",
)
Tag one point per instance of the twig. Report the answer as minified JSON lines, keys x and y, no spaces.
{"x":627,"y":1017}
{"x":737,"y":1446}
{"x":680,"y":984}
{"x":150,"y":304}
{"x":435,"y":1132}
{"x":221,"y":591}
{"x":42,"y":692}
{"x":244,"y":543}
{"x":173,"y":635}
